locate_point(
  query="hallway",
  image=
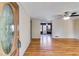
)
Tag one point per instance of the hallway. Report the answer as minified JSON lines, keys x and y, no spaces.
{"x":53,"y":47}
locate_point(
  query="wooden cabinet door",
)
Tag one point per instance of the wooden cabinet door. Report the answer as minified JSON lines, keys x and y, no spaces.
{"x":9,"y":33}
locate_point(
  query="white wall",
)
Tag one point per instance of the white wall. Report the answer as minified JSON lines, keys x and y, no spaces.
{"x":70,"y":29}
{"x":76,"y":28}
{"x":62,"y":29}
{"x":36,"y":28}
{"x":24,"y":26}
{"x":57,"y":28}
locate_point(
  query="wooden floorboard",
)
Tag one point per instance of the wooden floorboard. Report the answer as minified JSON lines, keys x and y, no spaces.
{"x":59,"y":47}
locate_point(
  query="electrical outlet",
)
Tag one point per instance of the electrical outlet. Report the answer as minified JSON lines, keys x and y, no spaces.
{"x":56,"y":36}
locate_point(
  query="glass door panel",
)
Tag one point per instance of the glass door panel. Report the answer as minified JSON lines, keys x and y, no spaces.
{"x":7,"y":29}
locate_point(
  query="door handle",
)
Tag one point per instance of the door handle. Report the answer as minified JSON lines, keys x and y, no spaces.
{"x":19,"y":44}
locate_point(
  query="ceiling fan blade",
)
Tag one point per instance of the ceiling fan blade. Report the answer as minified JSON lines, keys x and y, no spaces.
{"x":74,"y":15}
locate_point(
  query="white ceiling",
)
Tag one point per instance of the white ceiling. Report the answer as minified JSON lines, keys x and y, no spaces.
{"x":48,"y":9}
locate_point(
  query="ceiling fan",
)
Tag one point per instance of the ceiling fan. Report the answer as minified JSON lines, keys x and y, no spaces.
{"x":67,"y":15}
{"x":73,"y":14}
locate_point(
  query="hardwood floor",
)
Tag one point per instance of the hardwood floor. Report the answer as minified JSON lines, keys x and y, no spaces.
{"x":55,"y":47}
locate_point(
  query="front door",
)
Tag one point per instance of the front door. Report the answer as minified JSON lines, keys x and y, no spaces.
{"x":9,"y":33}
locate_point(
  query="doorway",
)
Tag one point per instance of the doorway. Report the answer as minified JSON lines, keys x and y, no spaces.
{"x":46,"y":28}
{"x":46,"y":36}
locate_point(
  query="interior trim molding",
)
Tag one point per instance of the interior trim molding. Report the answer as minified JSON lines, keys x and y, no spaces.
{"x":35,"y":38}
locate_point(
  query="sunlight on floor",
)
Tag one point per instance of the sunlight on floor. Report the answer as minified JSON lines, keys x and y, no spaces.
{"x":46,"y":42}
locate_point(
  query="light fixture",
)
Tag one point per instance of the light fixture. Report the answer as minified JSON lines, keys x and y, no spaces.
{"x":67,"y":15}
{"x":66,"y":18}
